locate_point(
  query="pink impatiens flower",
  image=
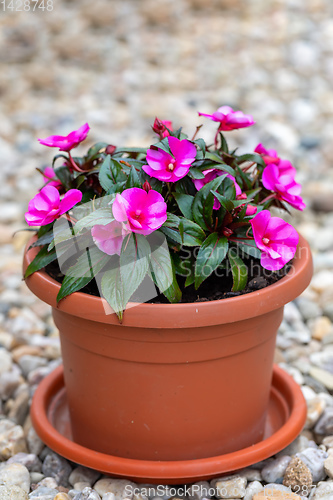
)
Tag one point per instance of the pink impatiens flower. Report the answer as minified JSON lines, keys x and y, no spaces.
{"x":280,"y":179}
{"x":210,"y":175}
{"x":144,"y":211}
{"x":230,"y":119}
{"x":109,"y":238}
{"x":171,"y":168}
{"x":68,"y":142}
{"x":276,"y":239}
{"x":47,"y":206}
{"x":268,"y":155}
{"x":50,"y":178}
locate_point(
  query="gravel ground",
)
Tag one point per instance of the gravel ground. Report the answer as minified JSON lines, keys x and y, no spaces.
{"x":117,"y":65}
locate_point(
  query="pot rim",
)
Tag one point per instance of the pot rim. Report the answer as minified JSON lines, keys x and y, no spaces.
{"x":188,"y":315}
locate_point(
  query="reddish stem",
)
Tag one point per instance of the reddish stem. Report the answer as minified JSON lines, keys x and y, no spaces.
{"x":74,"y":165}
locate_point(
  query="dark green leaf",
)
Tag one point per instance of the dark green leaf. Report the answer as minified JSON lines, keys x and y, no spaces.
{"x":133,"y":179}
{"x":172,"y":220}
{"x":202,"y":145}
{"x":95,"y":150}
{"x":203,"y":202}
{"x":195,"y":173}
{"x":249,"y":247}
{"x":214,"y":157}
{"x":42,"y":259}
{"x":88,"y":265}
{"x":238,"y":269}
{"x":164,"y":145}
{"x":191,"y":233}
{"x":210,"y":255}
{"x":162,"y":277}
{"x":134,"y":263}
{"x":224,"y":144}
{"x":227,"y":204}
{"x":101,"y":216}
{"x":184,"y":202}
{"x":112,"y":290}
{"x":64,"y":176}
{"x":252,"y":157}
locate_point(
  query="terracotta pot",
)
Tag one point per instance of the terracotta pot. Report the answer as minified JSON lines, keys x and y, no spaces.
{"x":174,"y":381}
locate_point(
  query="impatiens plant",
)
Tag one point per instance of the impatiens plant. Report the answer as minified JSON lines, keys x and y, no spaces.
{"x":173,"y":213}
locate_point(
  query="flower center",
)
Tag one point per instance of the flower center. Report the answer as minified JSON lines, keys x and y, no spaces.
{"x":265,"y":241}
{"x":137,"y":214}
{"x":171,"y":165}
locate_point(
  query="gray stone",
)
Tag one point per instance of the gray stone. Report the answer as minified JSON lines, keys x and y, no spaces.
{"x":325,"y":422}
{"x":43,"y":493}
{"x":12,"y":493}
{"x":276,"y":469}
{"x":314,"y":459}
{"x":199,"y":490}
{"x":87,"y":494}
{"x":35,"y":444}
{"x":83,"y":474}
{"x":15,"y":475}
{"x":12,"y":441}
{"x":57,"y":467}
{"x":28,"y":363}
{"x":122,"y":488}
{"x":29,"y":460}
{"x":230,"y":486}
{"x":252,"y":489}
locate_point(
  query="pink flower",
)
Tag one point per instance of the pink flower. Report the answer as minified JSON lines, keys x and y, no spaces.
{"x":46,"y":206}
{"x":159,"y":127}
{"x":109,"y":238}
{"x":211,"y":174}
{"x":171,"y":168}
{"x":269,"y":155}
{"x":144,"y":212}
{"x":50,"y":178}
{"x":276,"y":239}
{"x":230,"y":119}
{"x":280,"y":179}
{"x":68,"y":142}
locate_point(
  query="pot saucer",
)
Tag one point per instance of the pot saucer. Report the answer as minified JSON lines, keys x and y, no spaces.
{"x":285,"y":419}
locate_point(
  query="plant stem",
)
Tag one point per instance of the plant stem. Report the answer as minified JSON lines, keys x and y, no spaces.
{"x":74,"y":165}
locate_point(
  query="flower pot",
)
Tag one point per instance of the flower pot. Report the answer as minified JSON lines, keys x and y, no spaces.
{"x":173,"y":381}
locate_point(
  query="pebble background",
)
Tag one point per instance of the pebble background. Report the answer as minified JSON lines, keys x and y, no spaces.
{"x":117,"y":65}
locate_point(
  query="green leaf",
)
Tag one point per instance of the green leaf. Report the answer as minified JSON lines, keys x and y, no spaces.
{"x":191,"y":233}
{"x":202,"y":207}
{"x":162,"y":277}
{"x":134,"y":263}
{"x":238,"y":269}
{"x":59,"y":156}
{"x":202,"y":145}
{"x":43,"y":240}
{"x":88,"y":265}
{"x":214,"y":157}
{"x":133,"y":179}
{"x":225,"y":168}
{"x":110,"y":173}
{"x":42,"y":259}
{"x":195,"y":173}
{"x":227,"y":204}
{"x":249,"y":247}
{"x":224,"y":144}
{"x":95,"y":150}
{"x":211,"y":253}
{"x":161,"y":269}
{"x":172,"y":220}
{"x":164,"y":145}
{"x":101,"y":216}
{"x":112,"y":290}
{"x":184,"y":202}
{"x":255,"y":158}
{"x":172,"y":235}
{"x":131,"y":150}
{"x":64,"y":176}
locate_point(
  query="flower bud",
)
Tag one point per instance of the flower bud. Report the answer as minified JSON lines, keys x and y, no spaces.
{"x":227,"y":232}
{"x":146,"y":186}
{"x":158,"y":126}
{"x":110,"y":149}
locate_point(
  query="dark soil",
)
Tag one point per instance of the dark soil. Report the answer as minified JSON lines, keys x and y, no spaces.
{"x":215,"y":287}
